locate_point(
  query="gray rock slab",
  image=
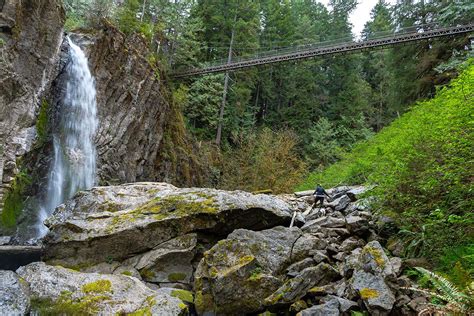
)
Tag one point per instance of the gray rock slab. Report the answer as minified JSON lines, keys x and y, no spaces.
{"x":14,"y":294}
{"x":115,"y":222}
{"x":113,"y":294}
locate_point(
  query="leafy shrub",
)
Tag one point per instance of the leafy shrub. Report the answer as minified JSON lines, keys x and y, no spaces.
{"x":422,"y":165}
{"x":74,"y":22}
{"x":128,"y":22}
{"x":263,"y":160}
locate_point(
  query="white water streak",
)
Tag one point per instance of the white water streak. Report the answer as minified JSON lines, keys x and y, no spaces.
{"x":74,"y":162}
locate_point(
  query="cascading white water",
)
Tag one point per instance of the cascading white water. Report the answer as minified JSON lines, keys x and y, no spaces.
{"x":74,"y":162}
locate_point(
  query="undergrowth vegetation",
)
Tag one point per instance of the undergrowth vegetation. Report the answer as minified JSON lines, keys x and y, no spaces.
{"x":422,"y":165}
{"x":446,"y":298}
{"x":263,"y":160}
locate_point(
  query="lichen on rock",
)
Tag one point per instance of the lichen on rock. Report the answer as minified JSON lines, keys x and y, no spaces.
{"x":57,"y":290}
{"x":83,"y":229}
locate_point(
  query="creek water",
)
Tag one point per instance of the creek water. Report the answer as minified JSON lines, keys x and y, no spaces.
{"x":73,"y":166}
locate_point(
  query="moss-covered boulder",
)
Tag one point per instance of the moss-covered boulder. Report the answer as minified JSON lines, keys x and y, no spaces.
{"x":373,"y":259}
{"x":236,"y":275}
{"x":374,"y":291}
{"x":115,"y":222}
{"x":372,"y":273}
{"x":56,"y":290}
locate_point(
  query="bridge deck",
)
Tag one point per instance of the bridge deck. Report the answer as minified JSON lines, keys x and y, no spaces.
{"x":304,"y":52}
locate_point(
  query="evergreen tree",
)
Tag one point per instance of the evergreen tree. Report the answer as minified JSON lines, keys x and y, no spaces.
{"x":375,"y":66}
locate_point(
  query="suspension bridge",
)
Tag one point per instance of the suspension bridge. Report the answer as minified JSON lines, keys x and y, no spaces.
{"x":326,"y":48}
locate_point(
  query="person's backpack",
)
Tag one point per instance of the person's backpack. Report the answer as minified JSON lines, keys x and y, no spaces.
{"x":319,"y":191}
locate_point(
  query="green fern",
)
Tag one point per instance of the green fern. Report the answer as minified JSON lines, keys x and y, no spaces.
{"x":456,"y":301}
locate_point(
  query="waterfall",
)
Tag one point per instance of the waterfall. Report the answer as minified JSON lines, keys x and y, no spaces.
{"x":73,"y":166}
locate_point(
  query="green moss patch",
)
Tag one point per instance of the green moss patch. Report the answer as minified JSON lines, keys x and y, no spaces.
{"x":161,"y":208}
{"x":13,"y":201}
{"x":147,"y":274}
{"x":42,"y":124}
{"x":179,"y":205}
{"x":66,"y":305}
{"x":176,"y":277}
{"x":99,"y":286}
{"x":204,"y":302}
{"x":376,"y":254}
{"x":183,"y":295}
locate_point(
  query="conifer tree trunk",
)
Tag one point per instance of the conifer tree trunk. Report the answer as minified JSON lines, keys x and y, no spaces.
{"x":143,"y":11}
{"x":226,"y":86}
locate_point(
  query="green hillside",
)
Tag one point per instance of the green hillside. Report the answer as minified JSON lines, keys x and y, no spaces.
{"x":422,"y":165}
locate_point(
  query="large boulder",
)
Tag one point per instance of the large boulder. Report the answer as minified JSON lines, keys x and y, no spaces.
{"x":116,"y":222}
{"x":330,"y":308}
{"x":237,"y":274}
{"x":169,"y":262}
{"x":340,"y":203}
{"x":296,"y":288}
{"x":374,"y":291}
{"x":374,"y":260}
{"x":357,"y":225}
{"x":14,"y":294}
{"x":355,"y":192}
{"x":59,"y":290}
{"x":372,"y":270}
{"x":325,"y":221}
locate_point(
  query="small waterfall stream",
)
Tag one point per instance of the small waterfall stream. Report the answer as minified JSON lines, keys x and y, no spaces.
{"x":74,"y":163}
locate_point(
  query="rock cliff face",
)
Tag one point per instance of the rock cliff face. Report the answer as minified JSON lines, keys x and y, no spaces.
{"x":140,"y":131}
{"x":131,"y":107}
{"x":30,"y":39}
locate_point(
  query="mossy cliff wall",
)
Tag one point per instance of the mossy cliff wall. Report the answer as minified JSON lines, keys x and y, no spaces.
{"x":141,"y":135}
{"x":30,"y":37}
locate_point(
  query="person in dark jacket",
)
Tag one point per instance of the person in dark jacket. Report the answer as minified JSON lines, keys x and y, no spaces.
{"x":319,"y":194}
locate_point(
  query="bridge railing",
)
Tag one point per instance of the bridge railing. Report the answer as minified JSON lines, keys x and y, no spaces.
{"x":341,"y":40}
{"x":336,"y":43}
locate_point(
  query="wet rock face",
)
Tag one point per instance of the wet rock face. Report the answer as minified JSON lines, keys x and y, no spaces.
{"x":112,"y":223}
{"x":131,"y":107}
{"x":31,"y":32}
{"x":135,"y":138}
{"x":66,"y":291}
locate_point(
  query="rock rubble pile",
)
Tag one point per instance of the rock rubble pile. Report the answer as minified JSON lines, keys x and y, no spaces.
{"x":155,"y":248}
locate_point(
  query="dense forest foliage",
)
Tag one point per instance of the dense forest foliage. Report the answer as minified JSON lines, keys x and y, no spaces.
{"x":356,"y":93}
{"x":280,"y":121}
{"x":329,"y":103}
{"x":422,"y":166}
